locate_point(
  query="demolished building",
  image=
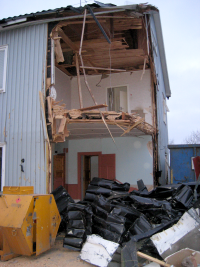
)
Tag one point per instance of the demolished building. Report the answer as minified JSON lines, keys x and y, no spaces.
{"x":82,"y":94}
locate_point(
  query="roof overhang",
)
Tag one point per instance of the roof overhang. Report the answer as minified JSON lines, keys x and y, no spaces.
{"x":157,"y":21}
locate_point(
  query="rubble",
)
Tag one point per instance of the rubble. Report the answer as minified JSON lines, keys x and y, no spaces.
{"x":137,"y":221}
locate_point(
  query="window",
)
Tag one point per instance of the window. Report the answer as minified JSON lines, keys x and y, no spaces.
{"x":3,"y":65}
{"x":154,"y":43}
{"x":117,"y":99}
{"x":2,"y":165}
{"x":165,"y":110}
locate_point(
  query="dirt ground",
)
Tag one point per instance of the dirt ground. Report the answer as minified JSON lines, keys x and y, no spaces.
{"x":56,"y":256}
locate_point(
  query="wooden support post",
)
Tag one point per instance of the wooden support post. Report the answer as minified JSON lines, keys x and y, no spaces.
{"x":79,"y":82}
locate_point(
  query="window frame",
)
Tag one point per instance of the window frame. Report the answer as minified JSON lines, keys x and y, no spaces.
{"x":2,"y":174}
{"x":5,"y":48}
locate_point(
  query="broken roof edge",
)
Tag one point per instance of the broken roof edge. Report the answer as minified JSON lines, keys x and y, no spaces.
{"x":21,"y":20}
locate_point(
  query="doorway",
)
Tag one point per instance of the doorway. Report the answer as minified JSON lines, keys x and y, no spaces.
{"x":89,"y":169}
{"x":58,"y":170}
{"x":94,"y":164}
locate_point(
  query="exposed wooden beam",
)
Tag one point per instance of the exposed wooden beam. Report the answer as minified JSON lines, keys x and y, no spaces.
{"x":79,"y":82}
{"x":67,"y":40}
{"x":94,"y":107}
{"x":91,"y":65}
{"x":97,"y":68}
{"x":66,"y":23}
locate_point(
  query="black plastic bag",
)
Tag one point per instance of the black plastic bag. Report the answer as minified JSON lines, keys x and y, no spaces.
{"x":97,"y":190}
{"x":62,"y":204}
{"x":110,"y":184}
{"x":141,"y":225}
{"x":73,"y":241}
{"x":76,"y":207}
{"x":102,"y":202}
{"x":77,"y":224}
{"x":89,"y":197}
{"x":60,"y":192}
{"x":99,"y":211}
{"x":106,"y":234}
{"x":75,"y":215}
{"x":80,"y":233}
{"x":184,"y":196}
{"x":131,"y":213}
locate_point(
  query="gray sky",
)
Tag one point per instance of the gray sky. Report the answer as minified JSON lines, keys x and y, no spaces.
{"x":181,"y":31}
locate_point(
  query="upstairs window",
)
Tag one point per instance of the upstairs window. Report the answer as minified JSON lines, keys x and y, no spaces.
{"x":117,"y":99}
{"x":3,"y":66}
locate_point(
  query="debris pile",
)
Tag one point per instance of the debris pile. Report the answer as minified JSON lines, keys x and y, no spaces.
{"x":131,"y":220}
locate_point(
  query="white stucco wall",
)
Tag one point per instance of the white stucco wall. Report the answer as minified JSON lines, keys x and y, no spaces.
{"x":133,"y":160}
{"x":139,"y":91}
{"x":63,"y":88}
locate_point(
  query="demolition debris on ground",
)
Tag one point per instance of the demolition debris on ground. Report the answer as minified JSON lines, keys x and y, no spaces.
{"x":129,"y":219}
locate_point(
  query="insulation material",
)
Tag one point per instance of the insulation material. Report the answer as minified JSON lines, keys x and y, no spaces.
{"x":186,"y":233}
{"x":98,"y":251}
{"x":177,"y":259}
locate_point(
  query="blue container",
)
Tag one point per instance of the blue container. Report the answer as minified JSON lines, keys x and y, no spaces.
{"x":181,"y":165}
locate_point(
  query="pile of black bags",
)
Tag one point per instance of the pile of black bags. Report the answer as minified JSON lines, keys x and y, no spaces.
{"x":116,"y":215}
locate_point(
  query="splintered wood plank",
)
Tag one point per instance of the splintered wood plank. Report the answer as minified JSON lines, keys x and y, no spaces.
{"x":62,"y":125}
{"x":133,"y":126}
{"x":94,"y":107}
{"x":49,"y":103}
{"x":66,"y":132}
{"x":58,"y":49}
{"x":53,"y":126}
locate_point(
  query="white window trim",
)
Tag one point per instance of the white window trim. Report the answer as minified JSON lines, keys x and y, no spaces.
{"x":5,"y":48}
{"x":3,"y":145}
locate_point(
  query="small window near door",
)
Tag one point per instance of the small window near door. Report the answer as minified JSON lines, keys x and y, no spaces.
{"x":3,"y":66}
{"x":2,"y":165}
{"x":117,"y":99}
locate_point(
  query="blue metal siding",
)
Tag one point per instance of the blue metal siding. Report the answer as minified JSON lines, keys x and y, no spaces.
{"x":162,"y":127}
{"x":181,"y":164}
{"x":20,"y":117}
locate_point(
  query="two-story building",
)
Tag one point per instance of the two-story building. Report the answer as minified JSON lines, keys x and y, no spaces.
{"x":82,"y":94}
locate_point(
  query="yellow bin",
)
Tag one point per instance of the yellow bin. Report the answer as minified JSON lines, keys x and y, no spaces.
{"x":28,"y":222}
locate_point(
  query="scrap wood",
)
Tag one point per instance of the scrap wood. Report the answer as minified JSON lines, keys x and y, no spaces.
{"x":147,"y":257}
{"x":133,"y":126}
{"x":75,"y":113}
{"x":62,"y":125}
{"x":49,"y":104}
{"x":119,"y":126}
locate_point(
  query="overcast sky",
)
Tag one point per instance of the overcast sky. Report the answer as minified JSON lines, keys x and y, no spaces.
{"x":181,"y":31}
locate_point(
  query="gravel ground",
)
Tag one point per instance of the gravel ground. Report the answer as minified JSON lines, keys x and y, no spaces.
{"x":56,"y":256}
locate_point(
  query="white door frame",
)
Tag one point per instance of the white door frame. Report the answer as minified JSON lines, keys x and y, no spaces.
{"x":3,"y":145}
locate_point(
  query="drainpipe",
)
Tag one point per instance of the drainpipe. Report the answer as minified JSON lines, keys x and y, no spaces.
{"x":53,"y":93}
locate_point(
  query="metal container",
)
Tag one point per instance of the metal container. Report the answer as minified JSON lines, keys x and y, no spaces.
{"x":28,"y":222}
{"x":181,"y":162}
